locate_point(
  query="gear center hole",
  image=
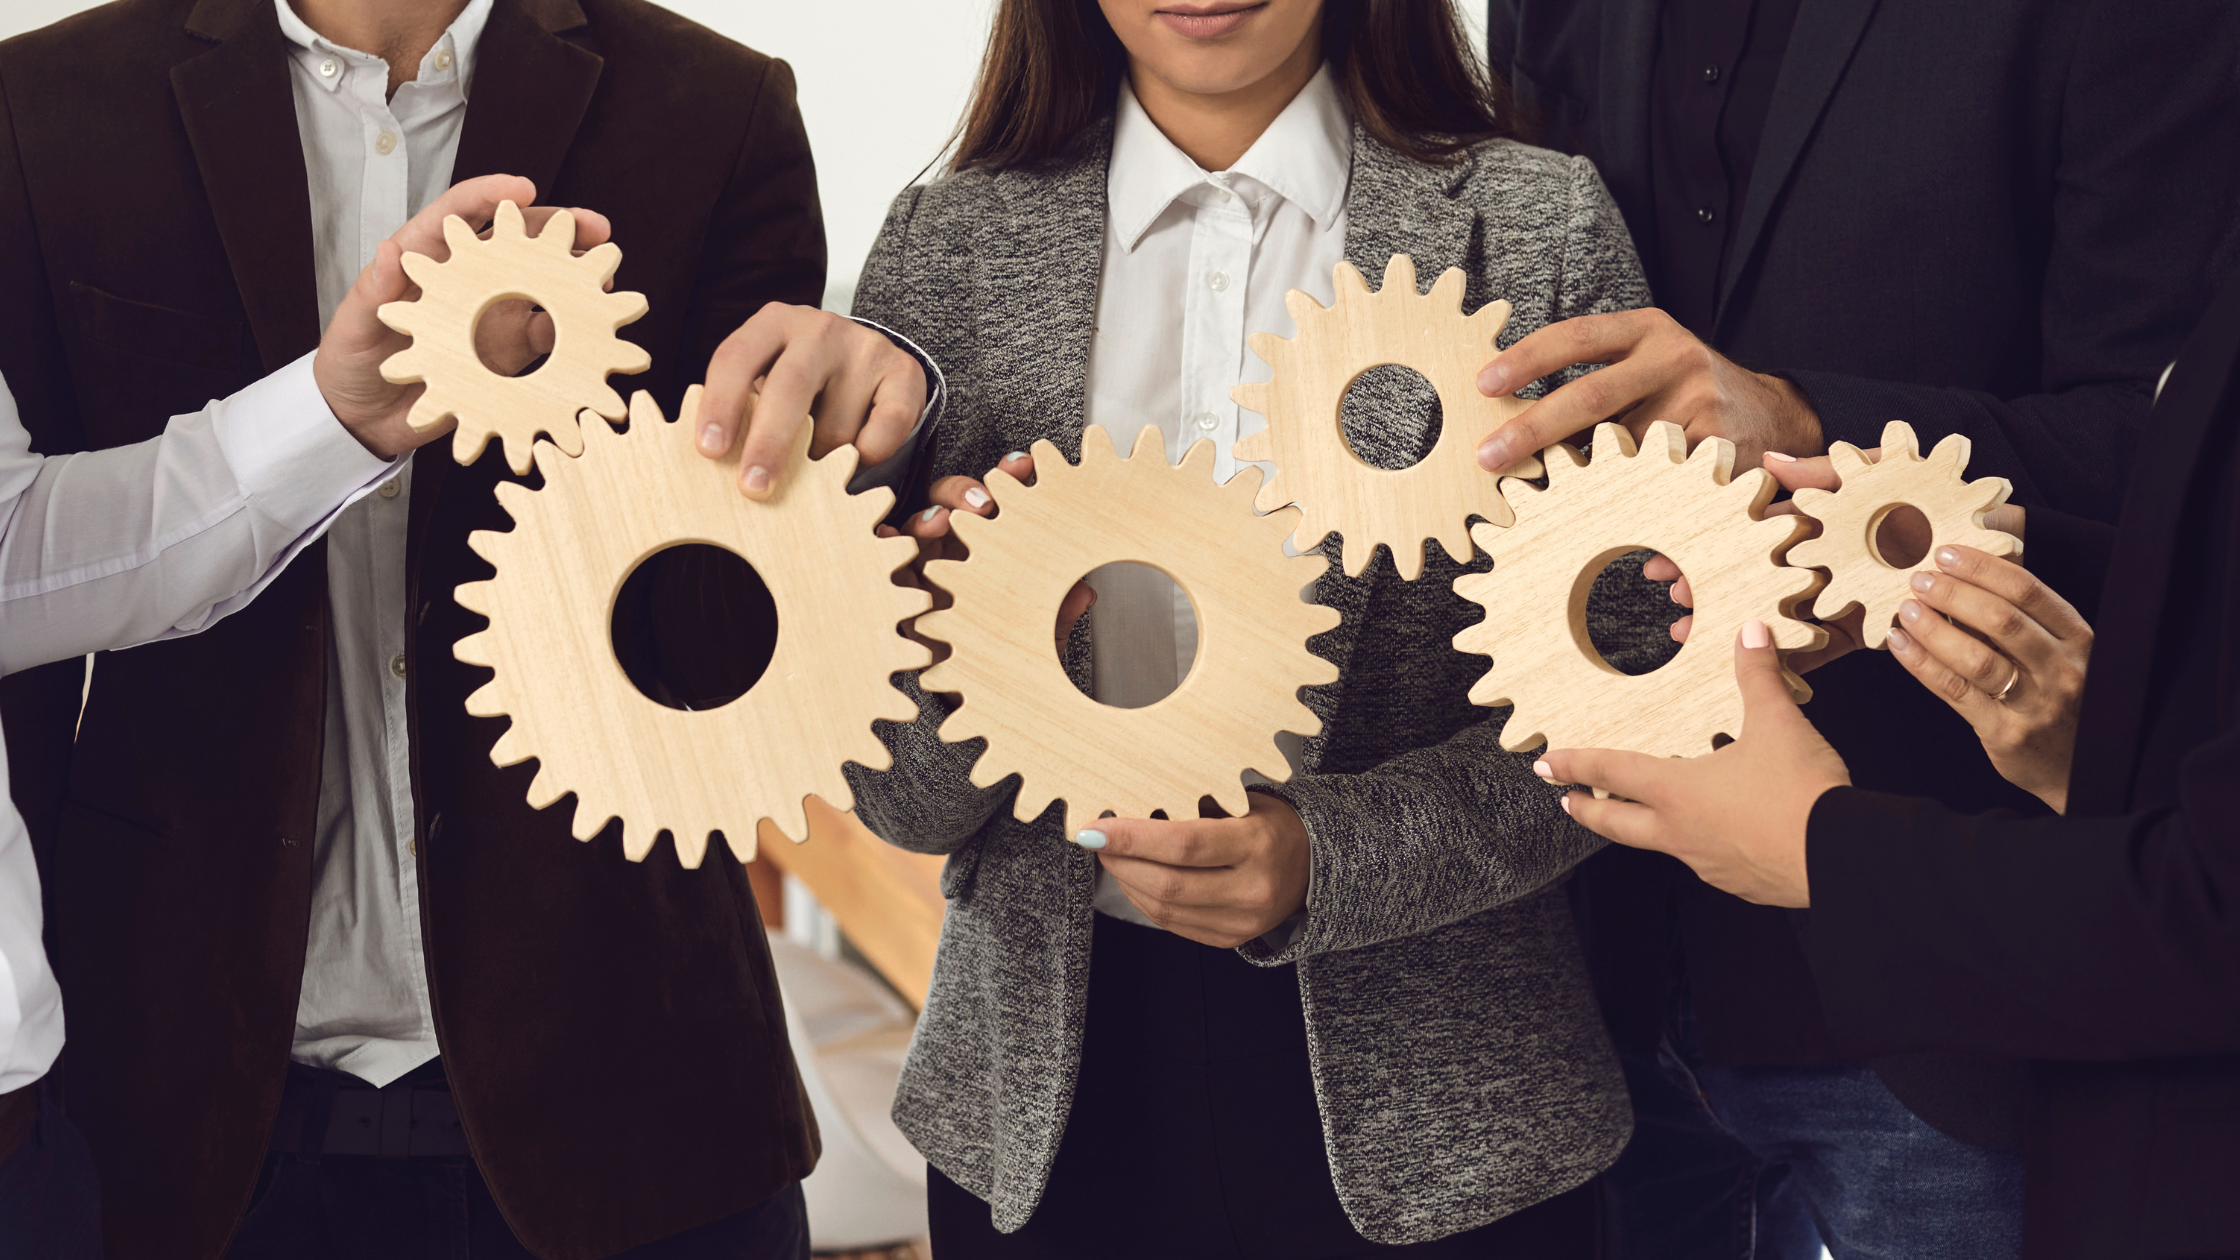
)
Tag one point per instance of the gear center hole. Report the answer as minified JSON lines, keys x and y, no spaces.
{"x":1900,"y":536}
{"x":498,"y":344}
{"x":1379,"y":417}
{"x":1613,"y":603}
{"x":1146,"y":635}
{"x":694,"y":627}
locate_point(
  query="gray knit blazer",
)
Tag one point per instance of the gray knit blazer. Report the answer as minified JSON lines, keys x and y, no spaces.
{"x":1459,"y":1060}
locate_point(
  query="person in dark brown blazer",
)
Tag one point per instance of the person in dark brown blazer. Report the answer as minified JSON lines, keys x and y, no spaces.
{"x":281,"y":868}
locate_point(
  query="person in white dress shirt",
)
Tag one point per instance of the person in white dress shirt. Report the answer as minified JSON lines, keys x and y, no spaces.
{"x":107,"y":549}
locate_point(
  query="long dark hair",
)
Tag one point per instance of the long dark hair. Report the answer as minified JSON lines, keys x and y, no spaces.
{"x":1404,"y":67}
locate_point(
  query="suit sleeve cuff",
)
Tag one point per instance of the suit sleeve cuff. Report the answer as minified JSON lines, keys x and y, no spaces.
{"x":895,"y":471}
{"x":292,"y":457}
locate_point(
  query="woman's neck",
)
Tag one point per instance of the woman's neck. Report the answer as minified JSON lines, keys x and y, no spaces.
{"x":1215,"y":130}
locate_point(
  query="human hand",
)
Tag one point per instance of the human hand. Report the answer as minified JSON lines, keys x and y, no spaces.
{"x":1656,"y":370}
{"x":2009,"y":655}
{"x":1216,"y":880}
{"x":1737,"y":816}
{"x":930,"y":527}
{"x":511,"y":335}
{"x":795,"y":365}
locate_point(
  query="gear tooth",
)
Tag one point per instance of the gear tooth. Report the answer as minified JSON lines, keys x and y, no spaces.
{"x":1487,"y":536}
{"x":1490,"y":319}
{"x":1302,"y":308}
{"x":460,"y":238}
{"x":511,"y":747}
{"x":1447,"y":290}
{"x":600,"y":262}
{"x":558,"y":235}
{"x":1898,"y":437}
{"x":1150,"y":444}
{"x":1256,"y":397}
{"x":397,"y":316}
{"x":404,"y":367}
{"x":1348,"y":283}
{"x":1198,"y":459}
{"x":630,"y":358}
{"x":1561,"y":455}
{"x":487,"y":701}
{"x":544,"y":788}
{"x":1400,"y":277}
{"x":1813,"y":502}
{"x":1849,"y":461}
{"x":473,"y":649}
{"x":1254,"y":448}
{"x":1951,"y":455}
{"x":468,"y":442}
{"x":1611,"y":441}
{"x":1408,"y":560}
{"x":691,"y":845}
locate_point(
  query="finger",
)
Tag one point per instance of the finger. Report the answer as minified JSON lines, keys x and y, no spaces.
{"x":1629,"y":823}
{"x":735,"y":375}
{"x":592,"y":227}
{"x":1077,"y":603}
{"x":1631,"y":775}
{"x":1683,"y":594}
{"x":1961,"y":653}
{"x":1177,"y":842}
{"x":1660,"y":568}
{"x":896,"y":403}
{"x":1020,"y":465}
{"x":1176,"y":887}
{"x":474,"y":200}
{"x":965,"y":494}
{"x":1816,"y":473}
{"x":2017,"y":585}
{"x":1570,"y":409}
{"x":1972,"y":705}
{"x":931,"y":523}
{"x":1681,"y":628}
{"x":790,"y":388}
{"x":2016,"y":634}
{"x":1766,"y":698}
{"x":1584,"y":339}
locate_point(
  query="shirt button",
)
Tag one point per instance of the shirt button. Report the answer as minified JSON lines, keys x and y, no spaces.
{"x":443,"y":59}
{"x":1711,"y":74}
{"x":1218,"y":281}
{"x":396,"y":664}
{"x":1706,"y":214}
{"x":1208,"y":421}
{"x":388,"y":489}
{"x":1225,"y":195}
{"x":385,"y":143}
{"x":328,"y":68}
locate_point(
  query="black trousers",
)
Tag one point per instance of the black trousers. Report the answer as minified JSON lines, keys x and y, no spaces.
{"x":1195,"y":1134}
{"x":50,"y":1201}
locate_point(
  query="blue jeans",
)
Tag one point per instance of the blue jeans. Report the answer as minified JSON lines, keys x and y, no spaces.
{"x":1772,"y":1163}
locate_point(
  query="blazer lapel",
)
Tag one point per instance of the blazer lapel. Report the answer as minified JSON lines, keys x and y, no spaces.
{"x":2146,"y":547}
{"x":530,"y":92}
{"x":1629,"y":44}
{"x":239,"y":111}
{"x":1819,"y":48}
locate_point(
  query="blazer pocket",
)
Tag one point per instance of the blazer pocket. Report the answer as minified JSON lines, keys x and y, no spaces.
{"x":160,"y":332}
{"x":81,"y":821}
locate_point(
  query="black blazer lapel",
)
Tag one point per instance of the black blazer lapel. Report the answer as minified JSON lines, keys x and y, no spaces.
{"x":530,"y":92}
{"x":2146,"y":547}
{"x":1629,"y":45}
{"x":239,"y":111}
{"x":1819,"y":48}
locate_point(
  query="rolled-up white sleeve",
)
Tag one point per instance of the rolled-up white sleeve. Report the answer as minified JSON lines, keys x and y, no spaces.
{"x":106,"y":549}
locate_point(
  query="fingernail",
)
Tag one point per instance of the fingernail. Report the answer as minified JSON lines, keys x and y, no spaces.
{"x":758,"y":480}
{"x":1492,"y":380}
{"x":711,"y":438}
{"x":927,"y":515}
{"x":1948,"y":558}
{"x":1786,"y":459}
{"x":1897,"y":640}
{"x":1493,"y":455}
{"x":1755,"y":635}
{"x":1910,"y":611}
{"x":1567,"y":802}
{"x":1014,"y":457}
{"x":1924,"y":582}
{"x":976,"y":497}
{"x":1542,"y":769}
{"x":1672,"y":592}
{"x":1089,"y":839}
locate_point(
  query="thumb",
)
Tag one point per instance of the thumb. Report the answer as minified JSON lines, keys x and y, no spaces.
{"x":1758,"y":674}
{"x":1816,"y":473}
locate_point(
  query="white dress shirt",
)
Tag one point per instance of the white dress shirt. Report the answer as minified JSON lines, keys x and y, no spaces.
{"x":1194,"y":261}
{"x":150,"y":541}
{"x":373,"y":161}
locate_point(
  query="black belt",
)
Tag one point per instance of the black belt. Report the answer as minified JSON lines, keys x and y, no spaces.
{"x":334,"y":1113}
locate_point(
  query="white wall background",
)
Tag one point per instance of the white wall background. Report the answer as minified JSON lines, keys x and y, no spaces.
{"x":882,"y":85}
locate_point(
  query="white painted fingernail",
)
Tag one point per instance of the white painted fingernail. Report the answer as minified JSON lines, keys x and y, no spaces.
{"x":1786,"y":459}
{"x":1542,"y":769}
{"x":1567,"y":802}
{"x":927,"y":515}
{"x":1755,"y":635}
{"x":976,"y":497}
{"x":1014,"y":457}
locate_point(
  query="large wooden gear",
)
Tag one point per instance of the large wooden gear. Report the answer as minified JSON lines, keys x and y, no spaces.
{"x":1253,"y":624}
{"x":1592,"y":513}
{"x":592,"y":731}
{"x":479,"y":274}
{"x":1935,"y":485}
{"x":1335,"y":489}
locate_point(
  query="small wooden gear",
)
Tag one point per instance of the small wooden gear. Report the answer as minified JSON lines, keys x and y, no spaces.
{"x":1850,"y":517}
{"x":454,"y":296}
{"x":560,"y":568}
{"x":1253,"y":626}
{"x":1335,"y":489}
{"x":1592,"y":513}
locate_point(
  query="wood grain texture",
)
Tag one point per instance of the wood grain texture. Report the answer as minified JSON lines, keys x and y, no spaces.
{"x":1253,"y":624}
{"x":1858,"y":574}
{"x":479,"y":274}
{"x":1335,"y":489}
{"x":888,"y":901}
{"x":1591,"y":513}
{"x":593,"y":733}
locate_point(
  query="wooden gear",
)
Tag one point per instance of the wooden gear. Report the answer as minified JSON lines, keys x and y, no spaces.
{"x":1336,"y":489}
{"x":454,"y":296}
{"x":1253,"y":624}
{"x":573,"y":544}
{"x":1850,"y":517}
{"x":1592,"y":513}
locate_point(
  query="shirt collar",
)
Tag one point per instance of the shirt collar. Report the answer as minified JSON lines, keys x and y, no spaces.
{"x":456,"y":46}
{"x":1304,"y":157}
